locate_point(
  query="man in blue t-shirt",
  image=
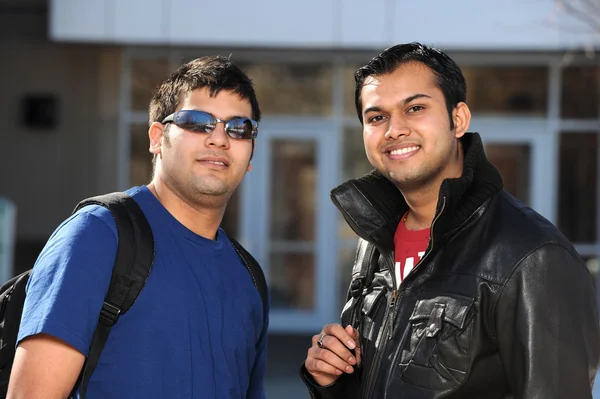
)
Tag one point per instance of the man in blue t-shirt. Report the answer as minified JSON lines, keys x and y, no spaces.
{"x":198,"y":328}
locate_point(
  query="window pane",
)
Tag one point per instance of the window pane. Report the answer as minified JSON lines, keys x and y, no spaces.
{"x":580,"y":88}
{"x":300,"y":89}
{"x":349,"y":87}
{"x":354,"y":164}
{"x":292,"y":280}
{"x":293,"y":190}
{"x":354,"y":159}
{"x":145,"y":75}
{"x":512,"y":160}
{"x":507,"y":90}
{"x":140,"y":166}
{"x":578,"y":186}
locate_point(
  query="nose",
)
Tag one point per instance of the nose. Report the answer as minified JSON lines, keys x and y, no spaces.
{"x":218,"y":137}
{"x":396,"y":129}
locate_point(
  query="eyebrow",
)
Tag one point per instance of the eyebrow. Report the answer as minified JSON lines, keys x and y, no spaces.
{"x":407,"y":100}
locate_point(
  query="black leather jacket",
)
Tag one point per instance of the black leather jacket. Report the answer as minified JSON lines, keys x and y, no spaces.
{"x":500,"y":305}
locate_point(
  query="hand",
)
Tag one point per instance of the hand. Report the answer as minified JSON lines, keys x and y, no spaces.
{"x":327,"y":363}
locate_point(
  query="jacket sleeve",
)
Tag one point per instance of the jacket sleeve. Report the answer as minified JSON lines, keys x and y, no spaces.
{"x":547,"y":326}
{"x":345,"y":387}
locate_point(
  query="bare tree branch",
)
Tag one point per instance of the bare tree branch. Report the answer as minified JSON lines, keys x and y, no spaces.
{"x":583,"y":11}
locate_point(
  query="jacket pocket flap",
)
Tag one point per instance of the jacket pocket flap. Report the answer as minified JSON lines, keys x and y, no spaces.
{"x":456,"y":308}
{"x":371,"y":299}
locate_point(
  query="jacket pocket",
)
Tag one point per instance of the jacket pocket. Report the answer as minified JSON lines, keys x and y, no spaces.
{"x":371,"y":303}
{"x":436,"y":350}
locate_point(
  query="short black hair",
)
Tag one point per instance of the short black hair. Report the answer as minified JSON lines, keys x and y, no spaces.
{"x":213,"y":72}
{"x":450,"y":78}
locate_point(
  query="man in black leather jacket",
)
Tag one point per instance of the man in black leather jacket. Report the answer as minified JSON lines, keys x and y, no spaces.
{"x":459,"y":290}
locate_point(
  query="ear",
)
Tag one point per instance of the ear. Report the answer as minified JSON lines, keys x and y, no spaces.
{"x":155,"y":133}
{"x":462,"y":119}
{"x":249,"y":168}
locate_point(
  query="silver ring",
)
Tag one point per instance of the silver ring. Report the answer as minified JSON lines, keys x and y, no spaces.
{"x":320,"y":341}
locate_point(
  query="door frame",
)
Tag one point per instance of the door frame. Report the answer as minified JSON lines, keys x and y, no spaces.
{"x":540,"y":135}
{"x":255,"y":211}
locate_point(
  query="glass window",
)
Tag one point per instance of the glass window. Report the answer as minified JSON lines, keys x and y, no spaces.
{"x":145,"y":76}
{"x":292,"y":280}
{"x":580,"y":92}
{"x":292,"y":228}
{"x":349,"y":87}
{"x":354,"y":159}
{"x":293,"y":188}
{"x":577,"y":192}
{"x":292,"y":89}
{"x":140,"y":166}
{"x":512,"y":160}
{"x":507,"y":90}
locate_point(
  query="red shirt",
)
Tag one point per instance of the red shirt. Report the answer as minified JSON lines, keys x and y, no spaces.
{"x":409,"y":247}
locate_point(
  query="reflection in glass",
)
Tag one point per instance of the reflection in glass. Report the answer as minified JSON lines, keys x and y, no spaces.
{"x":145,"y":75}
{"x":140,"y":165}
{"x":507,"y":90}
{"x":292,"y":280}
{"x":580,"y":95}
{"x":577,"y":188}
{"x":292,"y":89}
{"x":512,"y":160}
{"x":293,"y":187}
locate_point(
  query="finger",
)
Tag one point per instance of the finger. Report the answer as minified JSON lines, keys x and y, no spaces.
{"x":341,"y":334}
{"x":318,"y":367}
{"x":340,"y":350}
{"x":356,"y":337}
{"x":331,"y":358}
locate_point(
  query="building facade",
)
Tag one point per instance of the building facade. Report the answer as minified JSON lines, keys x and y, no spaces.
{"x":77,"y":87}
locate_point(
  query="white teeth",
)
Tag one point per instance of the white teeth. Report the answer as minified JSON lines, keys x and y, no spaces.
{"x":404,"y":150}
{"x":217,"y":163}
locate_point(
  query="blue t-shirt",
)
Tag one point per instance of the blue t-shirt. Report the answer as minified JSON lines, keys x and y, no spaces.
{"x":197,"y":329}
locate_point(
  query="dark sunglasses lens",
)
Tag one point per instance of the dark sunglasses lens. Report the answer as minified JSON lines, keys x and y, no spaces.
{"x":196,"y":121}
{"x":240,"y":128}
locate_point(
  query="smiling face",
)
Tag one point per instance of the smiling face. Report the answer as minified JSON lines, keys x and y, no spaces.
{"x":406,"y":128}
{"x":200,"y":165}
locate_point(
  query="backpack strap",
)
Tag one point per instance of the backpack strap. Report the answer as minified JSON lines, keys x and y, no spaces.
{"x":363,"y":271}
{"x":256,"y":272}
{"x":133,"y":263}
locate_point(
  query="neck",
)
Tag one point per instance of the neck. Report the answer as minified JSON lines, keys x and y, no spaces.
{"x":203,"y":218}
{"x":422,"y":201}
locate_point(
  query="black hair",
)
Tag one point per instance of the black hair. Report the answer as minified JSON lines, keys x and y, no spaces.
{"x":449,"y":77}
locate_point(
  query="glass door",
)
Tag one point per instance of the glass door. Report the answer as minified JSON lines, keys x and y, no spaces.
{"x":288,"y":222}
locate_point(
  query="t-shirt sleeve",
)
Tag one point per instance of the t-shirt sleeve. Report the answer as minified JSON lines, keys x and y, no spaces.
{"x":70,"y":278}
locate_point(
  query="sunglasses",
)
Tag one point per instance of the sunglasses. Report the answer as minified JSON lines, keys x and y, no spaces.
{"x":203,"y":122}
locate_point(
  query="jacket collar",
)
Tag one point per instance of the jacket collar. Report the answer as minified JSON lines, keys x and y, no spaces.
{"x":373,"y":206}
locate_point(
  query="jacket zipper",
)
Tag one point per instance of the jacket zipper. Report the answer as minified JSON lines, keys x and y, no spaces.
{"x":391,"y":312}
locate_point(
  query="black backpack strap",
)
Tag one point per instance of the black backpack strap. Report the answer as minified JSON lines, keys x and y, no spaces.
{"x":133,"y":263}
{"x":363,"y":271}
{"x":256,"y":272}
